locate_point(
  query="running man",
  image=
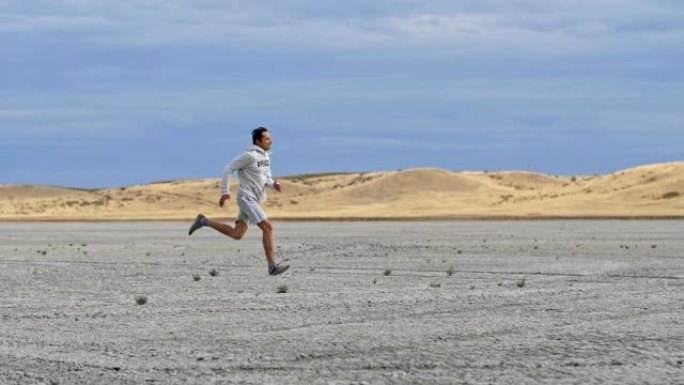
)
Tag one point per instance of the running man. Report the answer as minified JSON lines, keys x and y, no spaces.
{"x":254,"y":172}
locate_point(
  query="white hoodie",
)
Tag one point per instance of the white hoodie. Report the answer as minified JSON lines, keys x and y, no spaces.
{"x":254,"y":172}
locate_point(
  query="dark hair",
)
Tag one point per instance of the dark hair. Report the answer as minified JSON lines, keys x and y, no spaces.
{"x":257,"y":132}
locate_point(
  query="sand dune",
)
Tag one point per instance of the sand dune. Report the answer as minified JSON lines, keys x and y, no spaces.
{"x":647,"y":191}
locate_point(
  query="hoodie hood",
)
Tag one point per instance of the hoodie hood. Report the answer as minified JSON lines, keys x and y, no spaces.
{"x":254,"y":147}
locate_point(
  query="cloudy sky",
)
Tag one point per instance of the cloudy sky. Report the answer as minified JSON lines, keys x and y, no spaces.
{"x":112,"y":93}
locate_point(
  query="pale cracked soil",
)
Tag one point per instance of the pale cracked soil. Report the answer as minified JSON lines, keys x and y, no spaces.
{"x":366,"y":302}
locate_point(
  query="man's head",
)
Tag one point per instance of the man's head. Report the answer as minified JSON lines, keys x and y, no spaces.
{"x":262,"y":138}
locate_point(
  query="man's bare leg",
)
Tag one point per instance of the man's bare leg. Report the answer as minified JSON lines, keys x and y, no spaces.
{"x":267,"y":229}
{"x":273,"y":269}
{"x":236,"y":232}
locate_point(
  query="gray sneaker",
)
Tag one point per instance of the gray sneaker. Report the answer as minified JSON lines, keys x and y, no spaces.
{"x":277,"y":269}
{"x":197,"y":224}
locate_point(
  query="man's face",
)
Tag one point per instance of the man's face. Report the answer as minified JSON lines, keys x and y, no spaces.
{"x":265,"y":142}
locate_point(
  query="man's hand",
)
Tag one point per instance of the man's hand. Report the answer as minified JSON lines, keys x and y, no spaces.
{"x":276,"y":186}
{"x":224,"y":198}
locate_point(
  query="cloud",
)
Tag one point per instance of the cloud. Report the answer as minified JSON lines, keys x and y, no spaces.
{"x":551,"y":25}
{"x":448,"y":27}
{"x":51,"y":123}
{"x":16,"y":113}
{"x":48,"y":23}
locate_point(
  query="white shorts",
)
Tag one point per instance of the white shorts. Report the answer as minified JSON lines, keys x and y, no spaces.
{"x":250,"y":210}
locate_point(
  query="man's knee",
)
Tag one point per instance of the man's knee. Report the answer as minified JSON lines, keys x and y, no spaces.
{"x":239,"y":230}
{"x":266,"y":226}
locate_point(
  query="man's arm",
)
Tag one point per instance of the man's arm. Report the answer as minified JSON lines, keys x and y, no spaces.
{"x":270,"y":182}
{"x":238,"y":163}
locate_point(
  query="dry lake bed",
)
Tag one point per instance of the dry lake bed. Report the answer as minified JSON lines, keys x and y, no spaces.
{"x":553,"y":302}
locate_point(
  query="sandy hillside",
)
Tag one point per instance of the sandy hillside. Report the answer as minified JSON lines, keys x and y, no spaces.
{"x":647,"y":191}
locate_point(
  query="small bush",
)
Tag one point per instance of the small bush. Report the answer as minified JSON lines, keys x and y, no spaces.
{"x":213,"y":272}
{"x":388,"y":272}
{"x":196,"y":277}
{"x":435,"y":285}
{"x":450,"y":271}
{"x":671,"y":194}
{"x":140,"y":300}
{"x":282,"y":289}
{"x":521,"y":283}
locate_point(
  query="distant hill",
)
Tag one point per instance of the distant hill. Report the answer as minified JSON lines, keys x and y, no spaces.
{"x":653,"y":191}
